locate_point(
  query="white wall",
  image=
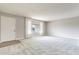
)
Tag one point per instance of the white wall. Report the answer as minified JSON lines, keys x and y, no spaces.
{"x":28,"y":27}
{"x":42,"y":28}
{"x":20,"y":28}
{"x":68,"y":28}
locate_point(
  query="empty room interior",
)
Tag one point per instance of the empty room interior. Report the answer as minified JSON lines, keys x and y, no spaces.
{"x":39,"y":28}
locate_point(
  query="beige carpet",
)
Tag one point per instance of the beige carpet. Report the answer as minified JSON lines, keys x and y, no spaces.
{"x":43,"y":45}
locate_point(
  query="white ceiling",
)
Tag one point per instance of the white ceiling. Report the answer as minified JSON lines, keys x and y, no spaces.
{"x":42,"y":11}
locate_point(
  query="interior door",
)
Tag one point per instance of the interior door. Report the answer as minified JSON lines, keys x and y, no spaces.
{"x":7,"y":28}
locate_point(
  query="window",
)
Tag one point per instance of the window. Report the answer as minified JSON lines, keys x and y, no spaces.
{"x":35,"y":28}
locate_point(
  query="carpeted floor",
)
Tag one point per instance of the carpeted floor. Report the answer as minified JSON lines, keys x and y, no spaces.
{"x":43,"y":45}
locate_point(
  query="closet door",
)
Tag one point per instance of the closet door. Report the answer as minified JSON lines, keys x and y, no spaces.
{"x":7,"y":28}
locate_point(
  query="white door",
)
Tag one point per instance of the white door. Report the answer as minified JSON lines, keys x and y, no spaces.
{"x":7,"y":28}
